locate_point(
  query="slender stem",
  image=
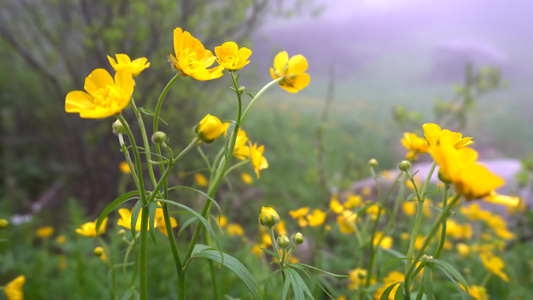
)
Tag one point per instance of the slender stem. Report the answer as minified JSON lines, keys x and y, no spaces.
{"x":160,"y":100}
{"x":239,"y":93}
{"x":443,"y":232}
{"x":128,"y":159}
{"x":235,"y":166}
{"x":175,"y":254}
{"x":371,"y":259}
{"x":418,"y":217}
{"x":146,"y":143}
{"x":268,"y":85}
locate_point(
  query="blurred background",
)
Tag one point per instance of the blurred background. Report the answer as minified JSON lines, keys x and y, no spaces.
{"x":384,"y":65}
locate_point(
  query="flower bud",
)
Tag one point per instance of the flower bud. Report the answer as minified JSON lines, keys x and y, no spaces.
{"x":159,"y":137}
{"x":121,"y":232}
{"x":98,"y":251}
{"x":118,"y":127}
{"x":404,"y":165}
{"x":3,"y":223}
{"x":209,"y":129}
{"x":373,"y":162}
{"x":242,"y":89}
{"x":297,"y":238}
{"x":268,"y":217}
{"x":283,"y":242}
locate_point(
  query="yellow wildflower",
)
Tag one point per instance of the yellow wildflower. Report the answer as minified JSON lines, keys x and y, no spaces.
{"x":200,"y":179}
{"x":392,"y":278}
{"x":502,"y":200}
{"x":104,"y":97}
{"x":160,"y":221}
{"x":478,"y":292}
{"x":415,"y":145}
{"x":346,"y":221}
{"x":409,"y":208}
{"x":335,"y":205}
{"x":268,"y":217}
{"x":366,"y":191}
{"x":222,"y":221}
{"x":316,"y":218}
{"x":463,"y":250}
{"x":300,"y":215}
{"x":13,"y":289}
{"x":256,"y":249}
{"x":386,"y":242}
{"x":494,"y":264}
{"x":45,"y":231}
{"x":124,"y":61}
{"x":434,"y":134}
{"x":235,"y":229}
{"x":373,"y":211}
{"x":209,"y":128}
{"x":231,"y":57}
{"x":259,"y":162}
{"x":353,"y":201}
{"x":125,"y":219}
{"x":292,"y":70}
{"x":124,"y":167}
{"x":281,"y":229}
{"x":89,"y":229}
{"x":356,"y":277}
{"x":247,"y":178}
{"x":191,"y":58}
{"x":61,"y":239}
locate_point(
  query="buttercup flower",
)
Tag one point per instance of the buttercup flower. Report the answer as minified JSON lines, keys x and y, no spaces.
{"x":160,"y":221}
{"x":434,"y":134}
{"x":200,"y":179}
{"x":346,"y":221}
{"x":89,"y":229}
{"x":316,"y":218}
{"x":292,"y":70}
{"x":478,"y":292}
{"x":259,"y":162}
{"x":191,"y":58}
{"x":241,"y":150}
{"x":231,"y":57}
{"x":392,"y":278}
{"x":13,"y":289}
{"x":356,"y":277}
{"x":124,"y":167}
{"x":247,"y":178}
{"x":495,"y":265}
{"x":415,"y":145}
{"x":123,"y":61}
{"x":45,"y":232}
{"x":300,"y":215}
{"x":104,"y":97}
{"x":268,"y":217}
{"x":209,"y":128}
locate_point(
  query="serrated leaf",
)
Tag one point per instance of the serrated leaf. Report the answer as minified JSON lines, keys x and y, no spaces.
{"x":234,"y":265}
{"x":116,"y":203}
{"x":445,"y":266}
{"x":322,"y":271}
{"x":388,"y":290}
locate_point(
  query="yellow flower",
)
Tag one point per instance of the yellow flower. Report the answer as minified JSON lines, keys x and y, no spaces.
{"x":89,"y":229}
{"x":316,"y":218}
{"x":45,"y":232}
{"x":392,"y":278}
{"x":259,"y":162}
{"x":292,"y":70}
{"x":386,"y":242}
{"x":281,"y":229}
{"x":200,"y":179}
{"x":124,"y":167}
{"x":159,"y":222}
{"x":300,"y":215}
{"x":191,"y":58}
{"x":222,"y":221}
{"x":247,"y":178}
{"x":478,"y":292}
{"x":256,"y":249}
{"x":434,"y":134}
{"x":104,"y":97}
{"x":366,"y":191}
{"x":231,"y":57}
{"x":502,"y":200}
{"x":335,"y":205}
{"x":356,"y":277}
{"x":495,"y":265}
{"x":124,"y":62}
{"x":268,"y":217}
{"x":463,"y":250}
{"x":13,"y":289}
{"x":241,"y":150}
{"x":353,"y":201}
{"x":235,"y":229}
{"x":209,"y":128}
{"x":61,"y":239}
{"x":415,"y":145}
{"x":346,"y":221}
{"x":373,"y":211}
{"x":409,"y":208}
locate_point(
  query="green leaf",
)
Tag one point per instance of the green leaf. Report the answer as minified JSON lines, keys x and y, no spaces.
{"x":186,"y":224}
{"x":388,"y":290}
{"x":299,"y":281}
{"x":394,"y":261}
{"x":399,"y":292}
{"x":271,"y":253}
{"x":229,"y":137}
{"x":231,"y":263}
{"x":427,"y":284}
{"x":297,"y":287}
{"x":461,"y":292}
{"x":394,"y":252}
{"x":200,"y":192}
{"x":322,"y":271}
{"x":316,"y":279}
{"x":116,"y":203}
{"x":286,"y":286}
{"x":268,"y":283}
{"x":445,"y":266}
{"x":134,"y":216}
{"x":151,"y":221}
{"x":151,"y":114}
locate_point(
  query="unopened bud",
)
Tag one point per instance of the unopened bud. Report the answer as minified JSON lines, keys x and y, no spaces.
{"x":373,"y":162}
{"x":242,"y":89}
{"x":159,"y":137}
{"x":404,"y":165}
{"x":98,"y":251}
{"x":121,"y":232}
{"x":268,"y":217}
{"x":3,"y":223}
{"x":297,"y":238}
{"x":118,"y":127}
{"x":283,"y":241}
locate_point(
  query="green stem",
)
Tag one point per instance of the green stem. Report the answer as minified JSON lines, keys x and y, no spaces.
{"x":160,"y":100}
{"x":239,"y":93}
{"x":175,"y":254}
{"x":257,"y":97}
{"x":427,"y":240}
{"x":146,"y":143}
{"x":418,"y":217}
{"x":443,"y":232}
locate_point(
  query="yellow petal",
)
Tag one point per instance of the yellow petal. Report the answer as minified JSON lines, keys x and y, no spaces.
{"x":97,"y":80}
{"x":77,"y":101}
{"x":281,"y":60}
{"x":297,"y":64}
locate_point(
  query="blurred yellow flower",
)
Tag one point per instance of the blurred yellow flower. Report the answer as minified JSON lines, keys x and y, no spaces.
{"x":373,"y":211}
{"x":478,"y":292}
{"x":222,"y":221}
{"x":231,"y":57}
{"x":502,"y":200}
{"x":409,"y":208}
{"x":353,"y":201}
{"x":200,"y":179}
{"x":415,"y":145}
{"x":356,"y":277}
{"x":316,"y":218}
{"x":259,"y":162}
{"x":209,"y":128}
{"x":391,"y":278}
{"x":247,"y":178}
{"x":335,"y":205}
{"x":44,"y":232}
{"x":191,"y":58}
{"x":105,"y":97}
{"x":235,"y":229}
{"x":300,"y":215}
{"x":89,"y":229}
{"x":13,"y":289}
{"x":494,"y":264}
{"x":124,"y":62}
{"x":160,"y":220}
{"x":124,"y":167}
{"x":366,"y":191}
{"x":386,"y":242}
{"x":463,"y":250}
{"x":346,"y":221}
{"x":61,"y":239}
{"x":256,"y":249}
{"x":281,"y":229}
{"x":292,"y":70}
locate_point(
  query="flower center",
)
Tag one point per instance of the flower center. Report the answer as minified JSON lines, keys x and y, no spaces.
{"x":108,"y":97}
